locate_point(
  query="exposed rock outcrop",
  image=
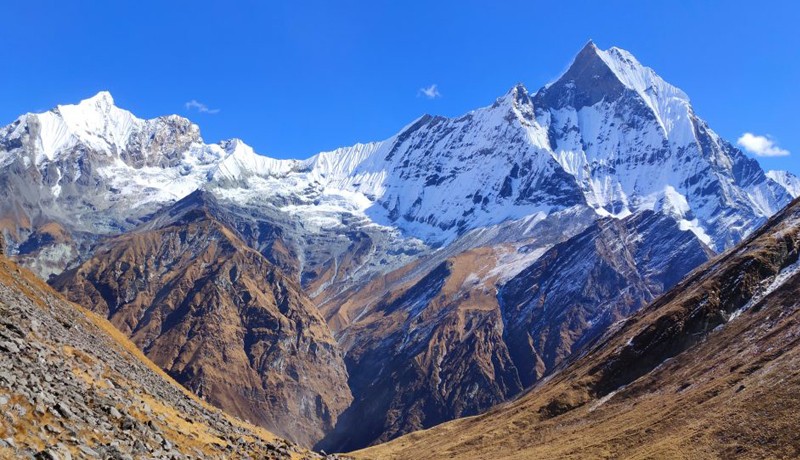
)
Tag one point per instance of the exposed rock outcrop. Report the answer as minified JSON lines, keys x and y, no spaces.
{"x":71,"y":386}
{"x":219,"y":318}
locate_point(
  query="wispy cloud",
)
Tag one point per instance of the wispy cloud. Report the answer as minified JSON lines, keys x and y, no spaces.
{"x":761,"y":146}
{"x":200,"y":107}
{"x":431,"y":92}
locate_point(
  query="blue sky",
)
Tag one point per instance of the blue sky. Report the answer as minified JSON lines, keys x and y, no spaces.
{"x":294,"y":78}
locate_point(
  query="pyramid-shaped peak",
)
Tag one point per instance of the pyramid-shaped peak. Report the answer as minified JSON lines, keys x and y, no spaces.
{"x":516,"y":96}
{"x":589,"y":47}
{"x":517,"y":89}
{"x":596,"y":75}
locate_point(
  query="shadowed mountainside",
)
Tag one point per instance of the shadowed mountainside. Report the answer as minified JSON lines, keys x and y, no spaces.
{"x":711,"y":369}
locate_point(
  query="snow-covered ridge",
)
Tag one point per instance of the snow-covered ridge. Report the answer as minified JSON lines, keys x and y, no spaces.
{"x":787,"y":180}
{"x":670,"y":104}
{"x":240,"y":161}
{"x":636,"y":146}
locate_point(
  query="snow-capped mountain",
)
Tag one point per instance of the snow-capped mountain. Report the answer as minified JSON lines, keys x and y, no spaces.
{"x":787,"y":180}
{"x":634,"y":142}
{"x":607,"y":157}
{"x":609,"y":134}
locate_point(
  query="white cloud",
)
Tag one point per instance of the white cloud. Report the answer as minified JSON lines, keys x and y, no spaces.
{"x":200,"y":107}
{"x":761,"y":146}
{"x":431,"y":92}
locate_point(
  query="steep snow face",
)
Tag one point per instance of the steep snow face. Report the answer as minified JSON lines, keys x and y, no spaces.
{"x":787,"y":180}
{"x":633,"y":142}
{"x":240,"y":162}
{"x":669,"y":104}
{"x":441,"y":177}
{"x":435,"y":180}
{"x":96,"y":122}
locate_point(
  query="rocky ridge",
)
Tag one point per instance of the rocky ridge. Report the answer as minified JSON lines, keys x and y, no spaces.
{"x":219,"y":318}
{"x":71,"y":386}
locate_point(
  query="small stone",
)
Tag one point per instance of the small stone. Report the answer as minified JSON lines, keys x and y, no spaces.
{"x":64,"y":410}
{"x":8,"y":377}
{"x":128,"y":424}
{"x":47,"y":454}
{"x":138,"y":446}
{"x":10,"y":347}
{"x":52,"y":429}
{"x":86,"y":450}
{"x":112,"y":411}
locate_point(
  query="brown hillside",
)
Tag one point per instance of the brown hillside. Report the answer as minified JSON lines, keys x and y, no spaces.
{"x":72,"y":386}
{"x":221,"y":320}
{"x":711,"y":369}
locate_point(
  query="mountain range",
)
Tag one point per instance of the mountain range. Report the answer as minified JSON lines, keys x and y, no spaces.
{"x":378,"y":289}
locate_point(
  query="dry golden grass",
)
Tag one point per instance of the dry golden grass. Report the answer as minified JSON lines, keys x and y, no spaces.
{"x":188,"y":433}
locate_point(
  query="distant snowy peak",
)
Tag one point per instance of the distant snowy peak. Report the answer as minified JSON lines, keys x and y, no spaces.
{"x":240,"y":162}
{"x":633,"y":142}
{"x":97,"y":125}
{"x":95,"y":121}
{"x":787,"y":180}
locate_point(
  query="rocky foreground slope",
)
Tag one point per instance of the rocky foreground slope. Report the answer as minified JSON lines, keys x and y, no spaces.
{"x":711,"y":369}
{"x":71,"y":386}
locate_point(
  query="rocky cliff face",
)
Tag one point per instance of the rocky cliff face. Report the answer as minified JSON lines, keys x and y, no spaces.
{"x":458,"y":340}
{"x":72,"y":387}
{"x":581,"y":287}
{"x":219,"y":318}
{"x":712,"y":364}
